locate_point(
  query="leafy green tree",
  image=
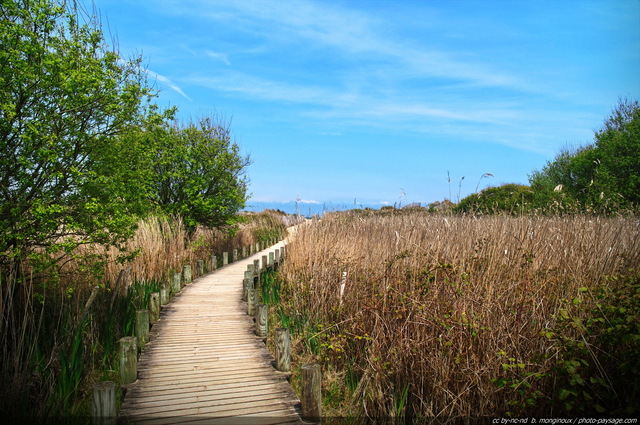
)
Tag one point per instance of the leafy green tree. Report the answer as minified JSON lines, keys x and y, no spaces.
{"x":66,"y":100}
{"x":602,"y":176}
{"x":511,"y":198}
{"x":199,"y":172}
{"x":554,"y":184}
{"x":617,"y":154}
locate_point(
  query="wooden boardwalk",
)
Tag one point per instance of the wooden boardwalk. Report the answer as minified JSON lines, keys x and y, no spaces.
{"x":204,"y":364}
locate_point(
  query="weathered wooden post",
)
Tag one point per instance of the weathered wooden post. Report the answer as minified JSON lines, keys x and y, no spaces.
{"x":244,"y":252}
{"x":154,"y":306}
{"x":176,"y":283}
{"x":282,"y":253}
{"x":200,"y":268}
{"x":251,"y":302}
{"x":186,"y":274}
{"x":249,"y":272}
{"x":103,"y":410}
{"x":271,"y":259}
{"x":246,"y":285}
{"x":276,"y":258}
{"x":225,"y":258}
{"x":142,"y":327}
{"x":311,"y":393}
{"x":256,"y":267}
{"x":235,"y":255}
{"x":261,"y":320}
{"x":283,"y":350}
{"x":251,"y":246}
{"x":164,"y":293}
{"x":214,"y":262}
{"x":264,"y":262}
{"x":257,"y":246}
{"x":128,"y":360}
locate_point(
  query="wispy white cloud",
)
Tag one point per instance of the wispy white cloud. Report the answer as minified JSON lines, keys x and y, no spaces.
{"x":168,"y":83}
{"x":335,"y":103}
{"x":379,"y":76}
{"x":222,"y":57}
{"x":356,"y":33}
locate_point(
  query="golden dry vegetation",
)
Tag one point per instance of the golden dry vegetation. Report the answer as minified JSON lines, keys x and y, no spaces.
{"x":429,"y":316}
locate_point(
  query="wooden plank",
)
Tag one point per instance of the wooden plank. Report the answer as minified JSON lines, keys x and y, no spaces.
{"x":177,"y":392}
{"x":221,"y":401}
{"x":203,"y":364}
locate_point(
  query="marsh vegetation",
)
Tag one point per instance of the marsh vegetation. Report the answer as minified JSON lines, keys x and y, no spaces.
{"x":414,"y":315}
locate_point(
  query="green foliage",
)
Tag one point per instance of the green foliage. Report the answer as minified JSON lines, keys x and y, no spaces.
{"x":270,"y":287}
{"x":593,"y":363}
{"x":602,"y":176}
{"x":510,"y":198}
{"x":598,"y":348}
{"x":265,"y":234}
{"x":198,"y":172}
{"x":617,"y":156}
{"x":65,"y":172}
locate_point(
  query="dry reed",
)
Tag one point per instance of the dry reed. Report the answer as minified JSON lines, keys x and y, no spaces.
{"x":43,"y":316}
{"x":444,"y":317}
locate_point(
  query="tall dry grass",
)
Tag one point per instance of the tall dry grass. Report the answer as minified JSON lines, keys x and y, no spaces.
{"x":58,"y":330}
{"x":444,"y":317}
{"x":163,"y":244}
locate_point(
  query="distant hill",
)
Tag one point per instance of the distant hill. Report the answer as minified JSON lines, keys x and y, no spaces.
{"x":306,"y":209}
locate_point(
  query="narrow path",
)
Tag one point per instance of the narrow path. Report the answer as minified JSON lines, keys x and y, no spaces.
{"x":204,"y":365}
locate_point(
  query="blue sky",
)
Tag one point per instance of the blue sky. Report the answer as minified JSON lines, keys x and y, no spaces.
{"x":376,"y":101}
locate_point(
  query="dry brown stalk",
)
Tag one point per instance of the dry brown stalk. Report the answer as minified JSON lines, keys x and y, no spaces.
{"x":442,"y":304}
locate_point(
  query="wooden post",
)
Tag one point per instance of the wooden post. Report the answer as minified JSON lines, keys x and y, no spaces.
{"x":246,"y":285}
{"x":142,"y":327}
{"x":256,"y":273}
{"x":251,"y":246}
{"x":164,"y":293}
{"x":103,"y":410}
{"x":175,"y":287}
{"x":214,"y":262}
{"x":311,"y":393}
{"x":128,"y":360}
{"x":200,"y":268}
{"x":225,"y":258}
{"x":283,"y":351}
{"x":251,"y":302}
{"x":264,"y":262}
{"x":235,"y":255}
{"x":244,"y":252}
{"x":257,"y":246}
{"x":261,"y":320}
{"x":186,"y":274}
{"x":271,"y":259}
{"x":154,"y":306}
{"x":282,"y":253}
{"x":277,"y":256}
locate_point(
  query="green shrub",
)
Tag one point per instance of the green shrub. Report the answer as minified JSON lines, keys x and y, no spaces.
{"x":511,"y":198}
{"x":597,"y":350}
